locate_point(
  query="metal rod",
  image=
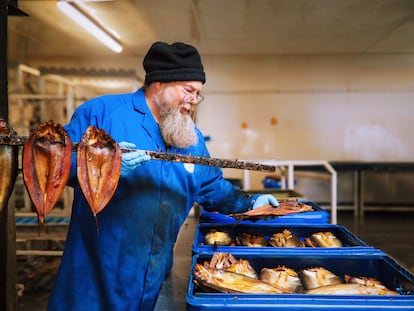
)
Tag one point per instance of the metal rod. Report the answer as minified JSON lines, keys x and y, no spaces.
{"x":37,"y":96}
{"x":32,"y":252}
{"x":223,"y":163}
{"x":165,"y":156}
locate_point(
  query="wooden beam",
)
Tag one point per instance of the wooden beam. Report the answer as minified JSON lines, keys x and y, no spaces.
{"x":7,"y":223}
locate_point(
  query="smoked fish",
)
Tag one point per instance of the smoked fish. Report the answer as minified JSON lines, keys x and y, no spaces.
{"x":98,"y":166}
{"x":286,"y":207}
{"x":230,"y":282}
{"x":349,"y":289}
{"x":46,"y":166}
{"x":8,"y":165}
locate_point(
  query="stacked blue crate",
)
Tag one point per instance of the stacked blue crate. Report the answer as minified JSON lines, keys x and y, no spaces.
{"x":375,"y":265}
{"x":355,"y":258}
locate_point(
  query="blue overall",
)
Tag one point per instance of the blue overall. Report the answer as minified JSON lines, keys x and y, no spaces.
{"x":123,"y":265}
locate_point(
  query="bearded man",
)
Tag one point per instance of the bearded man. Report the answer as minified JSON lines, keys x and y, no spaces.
{"x":123,"y":266}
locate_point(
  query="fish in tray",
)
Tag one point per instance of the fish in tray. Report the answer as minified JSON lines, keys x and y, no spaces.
{"x":318,"y":277}
{"x":225,"y":273}
{"x":221,"y":260}
{"x":283,"y":277}
{"x":242,"y":266}
{"x":252,"y":240}
{"x":227,"y":262}
{"x":320,"y":281}
{"x":349,"y":289}
{"x":212,"y":279}
{"x":218,"y":238}
{"x":372,"y":283}
{"x":285,"y":239}
{"x":286,"y":207}
{"x":323,"y":239}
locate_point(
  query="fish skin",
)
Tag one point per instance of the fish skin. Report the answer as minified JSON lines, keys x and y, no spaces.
{"x":349,"y":289}
{"x":98,"y":167}
{"x":325,"y":239}
{"x":217,"y":238}
{"x":251,"y":240}
{"x":285,"y":239}
{"x":227,"y":262}
{"x":367,"y":281}
{"x":8,"y":165}
{"x":46,"y":166}
{"x":286,"y":207}
{"x":281,"y":276}
{"x":242,"y":266}
{"x":230,"y":282}
{"x":318,"y":277}
{"x":222,"y":260}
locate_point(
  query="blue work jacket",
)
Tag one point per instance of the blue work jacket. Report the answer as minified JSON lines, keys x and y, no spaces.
{"x":122,"y":265}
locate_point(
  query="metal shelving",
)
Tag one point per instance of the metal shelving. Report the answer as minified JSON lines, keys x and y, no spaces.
{"x":287,"y":170}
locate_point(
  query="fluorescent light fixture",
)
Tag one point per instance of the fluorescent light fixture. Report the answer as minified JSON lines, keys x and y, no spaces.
{"x":92,"y":26}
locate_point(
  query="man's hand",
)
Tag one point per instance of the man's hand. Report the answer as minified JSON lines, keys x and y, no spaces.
{"x":131,"y":160}
{"x":265,"y":199}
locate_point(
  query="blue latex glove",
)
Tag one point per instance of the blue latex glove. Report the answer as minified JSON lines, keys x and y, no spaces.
{"x":131,"y":160}
{"x":265,"y":199}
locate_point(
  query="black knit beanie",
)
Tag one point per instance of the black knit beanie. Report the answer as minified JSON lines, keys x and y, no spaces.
{"x":175,"y":62}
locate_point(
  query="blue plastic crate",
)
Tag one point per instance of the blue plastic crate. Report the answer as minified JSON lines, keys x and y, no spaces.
{"x":272,"y":183}
{"x":351,"y":243}
{"x":379,"y":266}
{"x":317,"y":216}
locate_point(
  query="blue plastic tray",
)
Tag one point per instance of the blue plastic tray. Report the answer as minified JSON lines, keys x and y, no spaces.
{"x":317,"y":216}
{"x":379,"y":266}
{"x":350,"y":242}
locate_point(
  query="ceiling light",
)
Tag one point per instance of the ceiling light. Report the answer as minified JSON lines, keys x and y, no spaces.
{"x":72,"y":10}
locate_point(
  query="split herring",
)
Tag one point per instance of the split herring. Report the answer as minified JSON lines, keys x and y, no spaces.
{"x":46,"y":166}
{"x":349,"y":289}
{"x":98,"y":167}
{"x":286,"y":207}
{"x":8,"y":165}
{"x":230,"y":282}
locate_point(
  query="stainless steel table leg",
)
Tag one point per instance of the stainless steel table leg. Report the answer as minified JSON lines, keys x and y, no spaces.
{"x":356,"y":194}
{"x":361,"y":194}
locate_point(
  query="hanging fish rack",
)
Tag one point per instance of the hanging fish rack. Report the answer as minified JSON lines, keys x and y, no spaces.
{"x":16,"y":140}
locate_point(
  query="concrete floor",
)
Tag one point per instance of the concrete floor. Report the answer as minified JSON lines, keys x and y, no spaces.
{"x":389,"y":231}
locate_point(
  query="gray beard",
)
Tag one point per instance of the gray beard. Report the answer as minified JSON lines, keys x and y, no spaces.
{"x":177,"y":129}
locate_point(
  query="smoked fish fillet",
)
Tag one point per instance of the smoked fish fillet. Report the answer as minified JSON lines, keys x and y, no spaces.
{"x":8,"y":165}
{"x":46,"y":166}
{"x":98,"y":167}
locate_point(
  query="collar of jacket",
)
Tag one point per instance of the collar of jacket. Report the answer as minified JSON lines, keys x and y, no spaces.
{"x":148,"y":122}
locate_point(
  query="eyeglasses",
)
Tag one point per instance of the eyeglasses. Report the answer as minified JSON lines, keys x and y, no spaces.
{"x":195,"y":98}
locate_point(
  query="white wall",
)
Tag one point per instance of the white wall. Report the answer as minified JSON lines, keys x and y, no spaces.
{"x":333,"y":107}
{"x":326,"y":107}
